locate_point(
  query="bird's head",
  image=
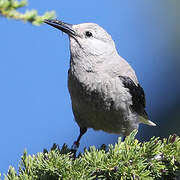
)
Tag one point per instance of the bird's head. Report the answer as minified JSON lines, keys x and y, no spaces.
{"x":86,"y":39}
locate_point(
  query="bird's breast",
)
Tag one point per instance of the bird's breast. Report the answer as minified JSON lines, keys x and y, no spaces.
{"x":87,"y":89}
{"x":99,"y":104}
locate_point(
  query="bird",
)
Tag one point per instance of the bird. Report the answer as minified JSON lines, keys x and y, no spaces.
{"x":104,"y":89}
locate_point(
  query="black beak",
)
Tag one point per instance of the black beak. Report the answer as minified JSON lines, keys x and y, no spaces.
{"x":65,"y":27}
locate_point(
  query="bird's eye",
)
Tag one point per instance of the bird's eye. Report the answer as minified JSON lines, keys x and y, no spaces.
{"x":88,"y":34}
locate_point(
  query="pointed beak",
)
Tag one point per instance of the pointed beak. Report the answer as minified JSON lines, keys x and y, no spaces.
{"x":65,"y":27}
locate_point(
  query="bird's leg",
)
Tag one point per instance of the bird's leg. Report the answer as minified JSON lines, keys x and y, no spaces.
{"x":75,"y":146}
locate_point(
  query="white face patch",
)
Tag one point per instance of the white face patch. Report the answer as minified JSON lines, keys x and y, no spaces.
{"x":92,"y":40}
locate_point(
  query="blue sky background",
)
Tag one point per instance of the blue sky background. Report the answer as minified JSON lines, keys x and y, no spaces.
{"x":35,"y":107}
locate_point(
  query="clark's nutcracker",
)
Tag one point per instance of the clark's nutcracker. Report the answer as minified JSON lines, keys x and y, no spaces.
{"x":104,"y":89}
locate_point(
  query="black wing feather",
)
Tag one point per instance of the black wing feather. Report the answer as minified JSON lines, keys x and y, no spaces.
{"x":137,"y":93}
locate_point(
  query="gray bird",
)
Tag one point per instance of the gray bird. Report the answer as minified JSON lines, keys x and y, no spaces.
{"x":104,"y":89}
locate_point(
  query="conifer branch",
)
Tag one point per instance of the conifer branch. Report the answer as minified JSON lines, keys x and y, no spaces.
{"x":8,"y":9}
{"x":130,"y":159}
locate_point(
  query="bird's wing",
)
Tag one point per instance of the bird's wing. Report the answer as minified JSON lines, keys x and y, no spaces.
{"x":137,"y":93}
{"x":138,"y":99}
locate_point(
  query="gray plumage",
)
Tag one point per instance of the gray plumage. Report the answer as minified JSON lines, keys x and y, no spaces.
{"x":104,"y":89}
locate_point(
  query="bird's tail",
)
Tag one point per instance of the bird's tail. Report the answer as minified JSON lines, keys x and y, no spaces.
{"x":144,"y":119}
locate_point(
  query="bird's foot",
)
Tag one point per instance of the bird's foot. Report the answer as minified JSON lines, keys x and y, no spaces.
{"x":74,"y":148}
{"x":124,"y":138}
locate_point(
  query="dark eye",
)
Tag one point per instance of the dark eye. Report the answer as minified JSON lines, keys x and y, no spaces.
{"x":88,"y":34}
